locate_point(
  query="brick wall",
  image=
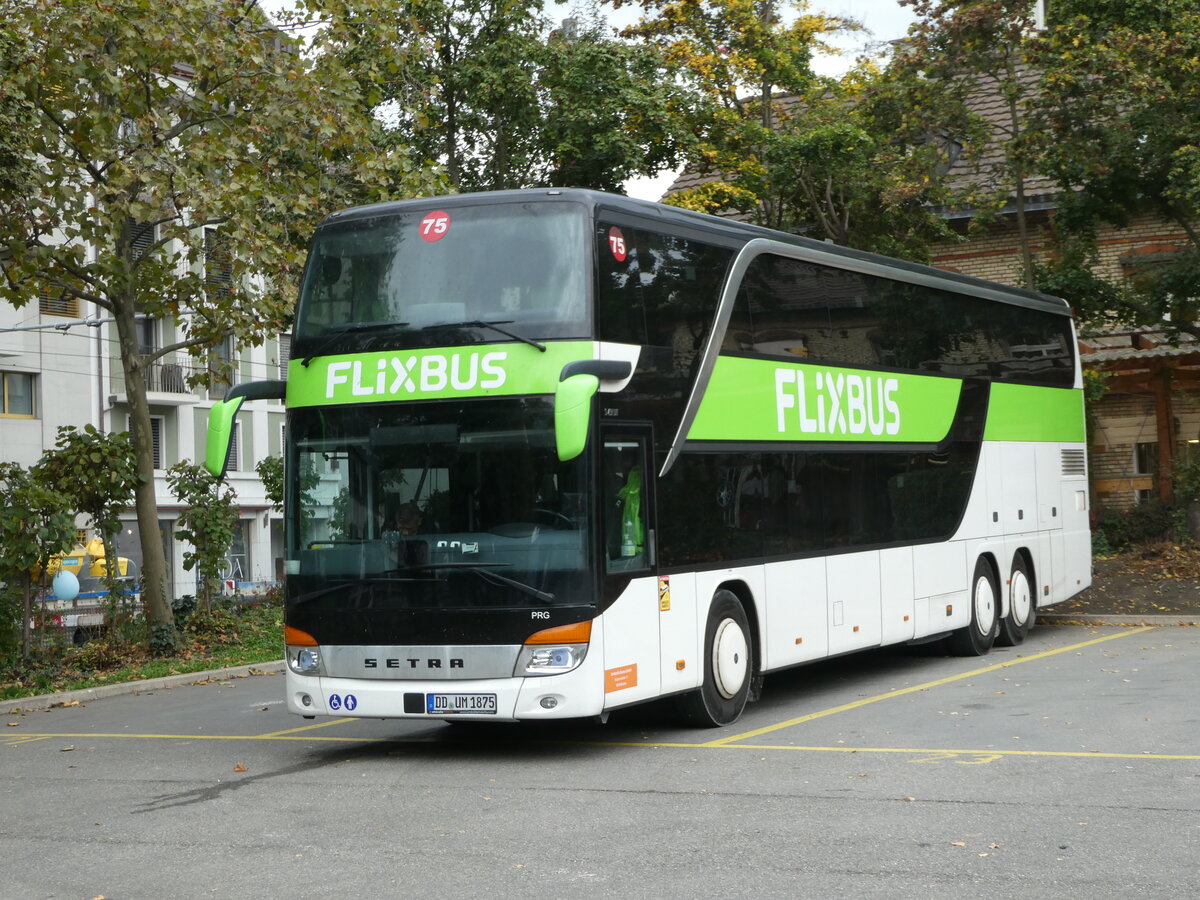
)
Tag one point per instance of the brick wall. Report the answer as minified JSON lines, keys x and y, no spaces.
{"x":1123,"y":420}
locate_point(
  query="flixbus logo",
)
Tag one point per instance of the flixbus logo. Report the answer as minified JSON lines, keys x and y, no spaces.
{"x":822,"y":402}
{"x":400,"y":375}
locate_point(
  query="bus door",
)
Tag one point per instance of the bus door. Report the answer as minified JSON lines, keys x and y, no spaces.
{"x":631,"y":647}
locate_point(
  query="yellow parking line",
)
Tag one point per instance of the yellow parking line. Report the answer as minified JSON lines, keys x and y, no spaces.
{"x":950,"y":754}
{"x":274,"y":734}
{"x":800,"y":720}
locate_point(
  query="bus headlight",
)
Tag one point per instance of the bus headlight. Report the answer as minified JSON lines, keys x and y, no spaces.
{"x":305,"y":660}
{"x":554,"y":650}
{"x":536,"y":660}
{"x":303,"y":652}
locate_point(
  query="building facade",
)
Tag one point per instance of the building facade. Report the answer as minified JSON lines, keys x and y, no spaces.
{"x":59,"y":367}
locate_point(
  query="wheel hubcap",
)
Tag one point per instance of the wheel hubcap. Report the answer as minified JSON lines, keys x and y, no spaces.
{"x":1020,"y":599}
{"x":730,"y":658}
{"x":985,"y":606}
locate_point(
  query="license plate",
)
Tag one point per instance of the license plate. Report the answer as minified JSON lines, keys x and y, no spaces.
{"x":457,"y":704}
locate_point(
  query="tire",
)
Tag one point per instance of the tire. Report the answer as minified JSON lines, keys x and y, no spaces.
{"x":1022,"y":605}
{"x":977,"y":637}
{"x":728,"y":666}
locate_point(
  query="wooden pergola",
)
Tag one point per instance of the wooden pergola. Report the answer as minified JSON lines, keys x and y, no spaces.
{"x":1146,"y":363}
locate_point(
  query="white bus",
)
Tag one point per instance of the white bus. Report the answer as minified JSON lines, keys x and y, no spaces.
{"x":555,"y":452}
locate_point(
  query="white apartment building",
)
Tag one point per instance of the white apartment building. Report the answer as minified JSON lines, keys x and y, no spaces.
{"x":70,"y":374}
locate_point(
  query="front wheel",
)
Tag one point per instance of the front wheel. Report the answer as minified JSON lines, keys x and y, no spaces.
{"x":728,"y":666}
{"x":977,"y":637}
{"x":1022,"y":608}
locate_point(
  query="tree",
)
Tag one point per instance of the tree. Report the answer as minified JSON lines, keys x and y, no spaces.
{"x":985,"y":46}
{"x":206,"y":521}
{"x":492,"y":92}
{"x":35,"y":524}
{"x":154,"y":123}
{"x":737,"y":57}
{"x":1121,"y":137}
{"x":95,"y":474}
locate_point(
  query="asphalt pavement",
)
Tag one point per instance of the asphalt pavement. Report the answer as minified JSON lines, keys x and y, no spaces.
{"x":1067,"y":767}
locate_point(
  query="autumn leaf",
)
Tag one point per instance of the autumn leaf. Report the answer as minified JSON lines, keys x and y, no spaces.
{"x":240,"y":767}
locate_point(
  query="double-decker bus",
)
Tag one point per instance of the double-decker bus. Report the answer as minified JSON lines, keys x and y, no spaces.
{"x":555,"y":452}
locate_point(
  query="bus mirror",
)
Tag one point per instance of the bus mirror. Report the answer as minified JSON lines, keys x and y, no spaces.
{"x":573,"y":413}
{"x":220,"y":433}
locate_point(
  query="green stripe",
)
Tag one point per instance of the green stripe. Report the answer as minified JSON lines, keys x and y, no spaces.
{"x":768,"y":400}
{"x":479,"y":370}
{"x":1021,"y":412}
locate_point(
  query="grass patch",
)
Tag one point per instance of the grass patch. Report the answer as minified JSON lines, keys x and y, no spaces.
{"x":234,"y":634}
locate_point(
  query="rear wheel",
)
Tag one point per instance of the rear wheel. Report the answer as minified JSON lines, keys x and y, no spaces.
{"x":728,"y":666}
{"x":977,"y":637}
{"x":1022,"y":607}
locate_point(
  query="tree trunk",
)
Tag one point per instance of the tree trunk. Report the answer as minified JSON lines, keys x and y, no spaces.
{"x":154,"y":566}
{"x":26,"y":617}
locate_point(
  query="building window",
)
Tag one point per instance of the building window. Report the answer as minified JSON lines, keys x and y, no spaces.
{"x":58,"y":303}
{"x":235,"y":440}
{"x":156,"y":440}
{"x":16,"y":395}
{"x":222,"y":368}
{"x":1145,"y":462}
{"x":285,"y":354}
{"x":147,"y":332}
{"x":218,"y":264}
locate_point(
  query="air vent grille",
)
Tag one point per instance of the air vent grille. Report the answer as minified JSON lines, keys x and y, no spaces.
{"x":1074,"y":462}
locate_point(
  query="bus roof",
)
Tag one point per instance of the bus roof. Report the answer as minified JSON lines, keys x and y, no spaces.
{"x":723,"y":230}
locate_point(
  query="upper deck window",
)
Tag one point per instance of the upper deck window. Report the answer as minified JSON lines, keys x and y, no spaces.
{"x":522,"y":264}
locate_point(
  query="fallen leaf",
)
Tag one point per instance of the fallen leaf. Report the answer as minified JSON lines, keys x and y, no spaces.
{"x":958,"y":843}
{"x":65,"y":749}
{"x":239,"y":768}
{"x":993,"y":846}
{"x":908,"y":799}
{"x":64,"y":703}
{"x":13,"y":724}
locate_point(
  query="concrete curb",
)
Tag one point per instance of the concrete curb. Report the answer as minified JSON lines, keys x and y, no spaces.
{"x":1106,"y":619}
{"x":45,"y":701}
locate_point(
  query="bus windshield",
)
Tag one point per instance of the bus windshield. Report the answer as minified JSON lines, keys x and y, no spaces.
{"x":522,"y":265}
{"x":436,"y":504}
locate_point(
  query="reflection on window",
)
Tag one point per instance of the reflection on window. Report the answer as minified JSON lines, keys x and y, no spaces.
{"x":625,"y":505}
{"x":518,"y":263}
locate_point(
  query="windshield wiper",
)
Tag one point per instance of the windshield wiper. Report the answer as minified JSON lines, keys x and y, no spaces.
{"x":482,"y":570}
{"x":495,"y":326}
{"x":336,"y":334}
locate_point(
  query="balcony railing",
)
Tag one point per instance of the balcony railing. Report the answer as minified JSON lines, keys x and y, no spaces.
{"x":163,"y":376}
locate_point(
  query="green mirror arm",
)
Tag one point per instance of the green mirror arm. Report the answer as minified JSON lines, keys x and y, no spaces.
{"x":258,"y":390}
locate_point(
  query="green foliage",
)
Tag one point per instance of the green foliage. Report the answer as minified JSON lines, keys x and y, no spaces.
{"x":232,"y":635}
{"x":1116,"y":531}
{"x":35,"y":524}
{"x":168,"y":120}
{"x":500,"y":98}
{"x":96,"y":474}
{"x":270,"y":473}
{"x":960,"y":47}
{"x":1121,"y":115}
{"x":207,"y":521}
{"x":1187,"y":479}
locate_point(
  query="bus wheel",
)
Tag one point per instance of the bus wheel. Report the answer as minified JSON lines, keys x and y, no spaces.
{"x":1022,"y":610}
{"x":977,"y":638}
{"x":728,"y":666}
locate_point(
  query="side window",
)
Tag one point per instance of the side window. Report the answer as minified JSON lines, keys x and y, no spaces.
{"x":657,"y":289}
{"x":626,"y":504}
